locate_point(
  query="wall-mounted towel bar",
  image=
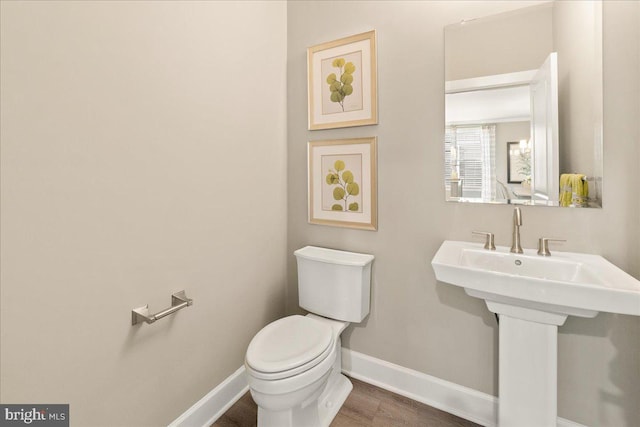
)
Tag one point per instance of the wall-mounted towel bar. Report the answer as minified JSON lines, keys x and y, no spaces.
{"x":141,"y":314}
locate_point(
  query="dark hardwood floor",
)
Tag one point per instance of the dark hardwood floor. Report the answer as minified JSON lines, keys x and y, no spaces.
{"x":366,"y":406}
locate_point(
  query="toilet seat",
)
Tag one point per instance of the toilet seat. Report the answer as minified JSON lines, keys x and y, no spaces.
{"x":289,"y":346}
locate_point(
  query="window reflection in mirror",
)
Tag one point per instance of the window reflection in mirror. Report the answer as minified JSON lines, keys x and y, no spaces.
{"x":532,"y":76}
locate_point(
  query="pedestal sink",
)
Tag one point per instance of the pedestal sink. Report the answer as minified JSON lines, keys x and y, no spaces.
{"x":533,"y":295}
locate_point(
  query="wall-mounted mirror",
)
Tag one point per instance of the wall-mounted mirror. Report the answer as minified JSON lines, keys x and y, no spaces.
{"x":523,"y":106}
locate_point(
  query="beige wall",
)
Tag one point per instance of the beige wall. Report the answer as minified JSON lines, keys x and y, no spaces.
{"x":143,"y":152}
{"x":432,"y":327}
{"x":578,"y":101}
{"x":480,"y":48}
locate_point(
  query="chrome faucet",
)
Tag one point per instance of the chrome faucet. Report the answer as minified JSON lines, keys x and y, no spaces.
{"x":516,"y":248}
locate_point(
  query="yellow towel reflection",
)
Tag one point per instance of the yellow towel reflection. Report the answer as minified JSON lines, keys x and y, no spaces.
{"x":574,"y":190}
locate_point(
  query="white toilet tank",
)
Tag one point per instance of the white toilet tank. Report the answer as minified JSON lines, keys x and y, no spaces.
{"x":334,"y":284}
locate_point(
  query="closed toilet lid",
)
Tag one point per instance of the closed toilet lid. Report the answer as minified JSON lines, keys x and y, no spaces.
{"x":288,"y":343}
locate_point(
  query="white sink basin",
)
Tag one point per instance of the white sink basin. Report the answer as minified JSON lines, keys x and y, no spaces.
{"x":533,"y":295}
{"x":564,"y":283}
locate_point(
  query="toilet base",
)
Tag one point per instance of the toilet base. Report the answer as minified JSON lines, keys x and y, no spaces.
{"x":317,"y":413}
{"x":333,"y":398}
{"x":337,"y":389}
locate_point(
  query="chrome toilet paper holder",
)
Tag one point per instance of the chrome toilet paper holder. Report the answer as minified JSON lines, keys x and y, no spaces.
{"x":179,"y":301}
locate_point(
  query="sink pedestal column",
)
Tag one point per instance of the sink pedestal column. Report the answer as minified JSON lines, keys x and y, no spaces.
{"x":528,"y":366}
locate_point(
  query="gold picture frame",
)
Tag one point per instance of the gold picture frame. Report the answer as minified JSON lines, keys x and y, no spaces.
{"x":342,"y":82}
{"x":342,"y":183}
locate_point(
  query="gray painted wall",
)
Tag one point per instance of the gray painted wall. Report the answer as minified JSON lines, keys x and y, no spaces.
{"x":116,"y":163}
{"x":143,"y":152}
{"x":479,"y":47}
{"x":415,"y":321}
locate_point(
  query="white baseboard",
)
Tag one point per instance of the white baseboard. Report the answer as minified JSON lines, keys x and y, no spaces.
{"x":212,"y":406}
{"x":464,"y":402}
{"x":481,"y":408}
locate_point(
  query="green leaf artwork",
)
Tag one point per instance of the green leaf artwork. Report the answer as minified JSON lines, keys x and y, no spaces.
{"x":345,"y":187}
{"x":341,"y":88}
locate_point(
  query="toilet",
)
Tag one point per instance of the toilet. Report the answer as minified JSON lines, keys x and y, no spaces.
{"x":293,"y":364}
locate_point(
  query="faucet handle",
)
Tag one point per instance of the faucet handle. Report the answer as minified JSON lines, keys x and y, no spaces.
{"x":543,"y":245}
{"x":489,"y":242}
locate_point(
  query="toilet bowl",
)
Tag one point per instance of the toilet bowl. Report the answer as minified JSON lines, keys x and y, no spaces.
{"x":293,"y":365}
{"x":293,"y":368}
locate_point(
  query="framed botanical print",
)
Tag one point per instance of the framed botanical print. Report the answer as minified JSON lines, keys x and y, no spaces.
{"x":342,"y":183}
{"x":518,"y":163}
{"x":342,"y":82}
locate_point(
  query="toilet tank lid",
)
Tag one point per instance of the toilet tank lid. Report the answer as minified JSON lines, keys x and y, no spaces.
{"x":334,"y":256}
